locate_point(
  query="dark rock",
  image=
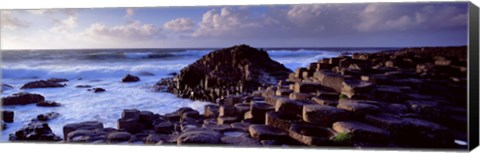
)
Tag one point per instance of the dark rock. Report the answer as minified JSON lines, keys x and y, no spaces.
{"x":130,"y":78}
{"x":7,"y":116}
{"x":89,"y":126}
{"x":200,"y":137}
{"x":240,"y":141}
{"x":280,"y":121}
{"x":227,"y":111}
{"x":48,"y":104}
{"x":119,"y":137}
{"x":227,"y":119}
{"x":312,"y":135}
{"x":164,"y":127}
{"x":239,"y":125}
{"x":83,"y":86}
{"x":22,"y":98}
{"x":146,"y":117}
{"x":82,"y":136}
{"x":290,"y":107}
{"x":34,"y":131}
{"x":211,"y":111}
{"x":257,"y":112}
{"x":130,"y":125}
{"x":57,"y":80}
{"x":359,"y":108}
{"x":263,"y":132}
{"x":47,"y":116}
{"x":97,"y":90}
{"x":131,"y":114}
{"x":42,"y":84}
{"x":233,"y":70}
{"x":3,"y":124}
{"x":324,"y":115}
{"x":362,"y":132}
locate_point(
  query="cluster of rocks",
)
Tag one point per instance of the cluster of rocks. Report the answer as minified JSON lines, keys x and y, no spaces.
{"x":234,"y":70}
{"x":413,"y":97}
{"x":37,"y":130}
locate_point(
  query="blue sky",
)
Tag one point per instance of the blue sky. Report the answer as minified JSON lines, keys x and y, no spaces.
{"x":313,"y":25}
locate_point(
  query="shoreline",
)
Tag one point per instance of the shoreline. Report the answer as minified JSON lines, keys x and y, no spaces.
{"x":295,"y":103}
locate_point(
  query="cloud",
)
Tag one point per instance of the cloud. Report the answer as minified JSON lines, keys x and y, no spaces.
{"x":130,"y":12}
{"x":65,"y":25}
{"x":133,"y":31}
{"x":401,"y":17}
{"x":10,"y":22}
{"x":180,"y":25}
{"x":226,"y":22}
{"x":66,"y":11}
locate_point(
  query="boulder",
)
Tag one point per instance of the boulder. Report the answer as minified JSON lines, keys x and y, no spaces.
{"x":91,"y":136}
{"x":57,"y":80}
{"x":323,"y":115}
{"x":264,"y":132}
{"x":130,"y":125}
{"x":289,"y":107}
{"x":356,"y":88}
{"x":89,"y":125}
{"x":34,"y":131}
{"x":312,"y":135}
{"x":42,"y":84}
{"x":7,"y":116}
{"x":131,"y":113}
{"x":362,"y":132}
{"x":119,"y":137}
{"x":200,"y":137}
{"x":130,"y":78}
{"x":22,"y":98}
{"x":48,"y":104}
{"x":47,"y":116}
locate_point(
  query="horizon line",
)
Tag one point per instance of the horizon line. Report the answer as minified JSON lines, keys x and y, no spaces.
{"x":325,"y":47}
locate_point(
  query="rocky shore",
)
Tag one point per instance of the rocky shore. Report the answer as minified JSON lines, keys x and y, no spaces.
{"x":406,"y":98}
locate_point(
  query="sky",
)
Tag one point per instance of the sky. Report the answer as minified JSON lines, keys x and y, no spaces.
{"x":305,"y":25}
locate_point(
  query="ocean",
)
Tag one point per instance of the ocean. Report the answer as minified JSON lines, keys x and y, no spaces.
{"x":105,"y":68}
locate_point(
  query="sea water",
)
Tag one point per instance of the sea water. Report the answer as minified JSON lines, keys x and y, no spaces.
{"x":105,"y":68}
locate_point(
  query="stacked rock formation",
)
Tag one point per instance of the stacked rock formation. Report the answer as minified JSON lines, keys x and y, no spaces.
{"x":229,"y":71}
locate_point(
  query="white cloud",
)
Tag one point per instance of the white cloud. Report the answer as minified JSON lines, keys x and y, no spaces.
{"x":130,"y":12}
{"x":389,"y":16}
{"x":10,"y":22}
{"x":65,"y":25}
{"x":133,"y":31}
{"x":226,"y":22}
{"x":180,"y":25}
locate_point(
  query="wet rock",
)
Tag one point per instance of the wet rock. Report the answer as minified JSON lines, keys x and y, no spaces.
{"x":42,"y":84}
{"x":82,"y":136}
{"x":7,"y":116}
{"x":362,"y":132}
{"x":97,"y":90}
{"x":57,"y":80}
{"x":324,"y":115}
{"x":83,"y":86}
{"x":119,"y":137}
{"x":264,"y":132}
{"x":312,"y":135}
{"x":130,"y":78}
{"x":131,"y":113}
{"x":34,"y":131}
{"x":47,"y":116}
{"x":89,"y":126}
{"x":200,"y":137}
{"x":48,"y":104}
{"x":22,"y":98}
